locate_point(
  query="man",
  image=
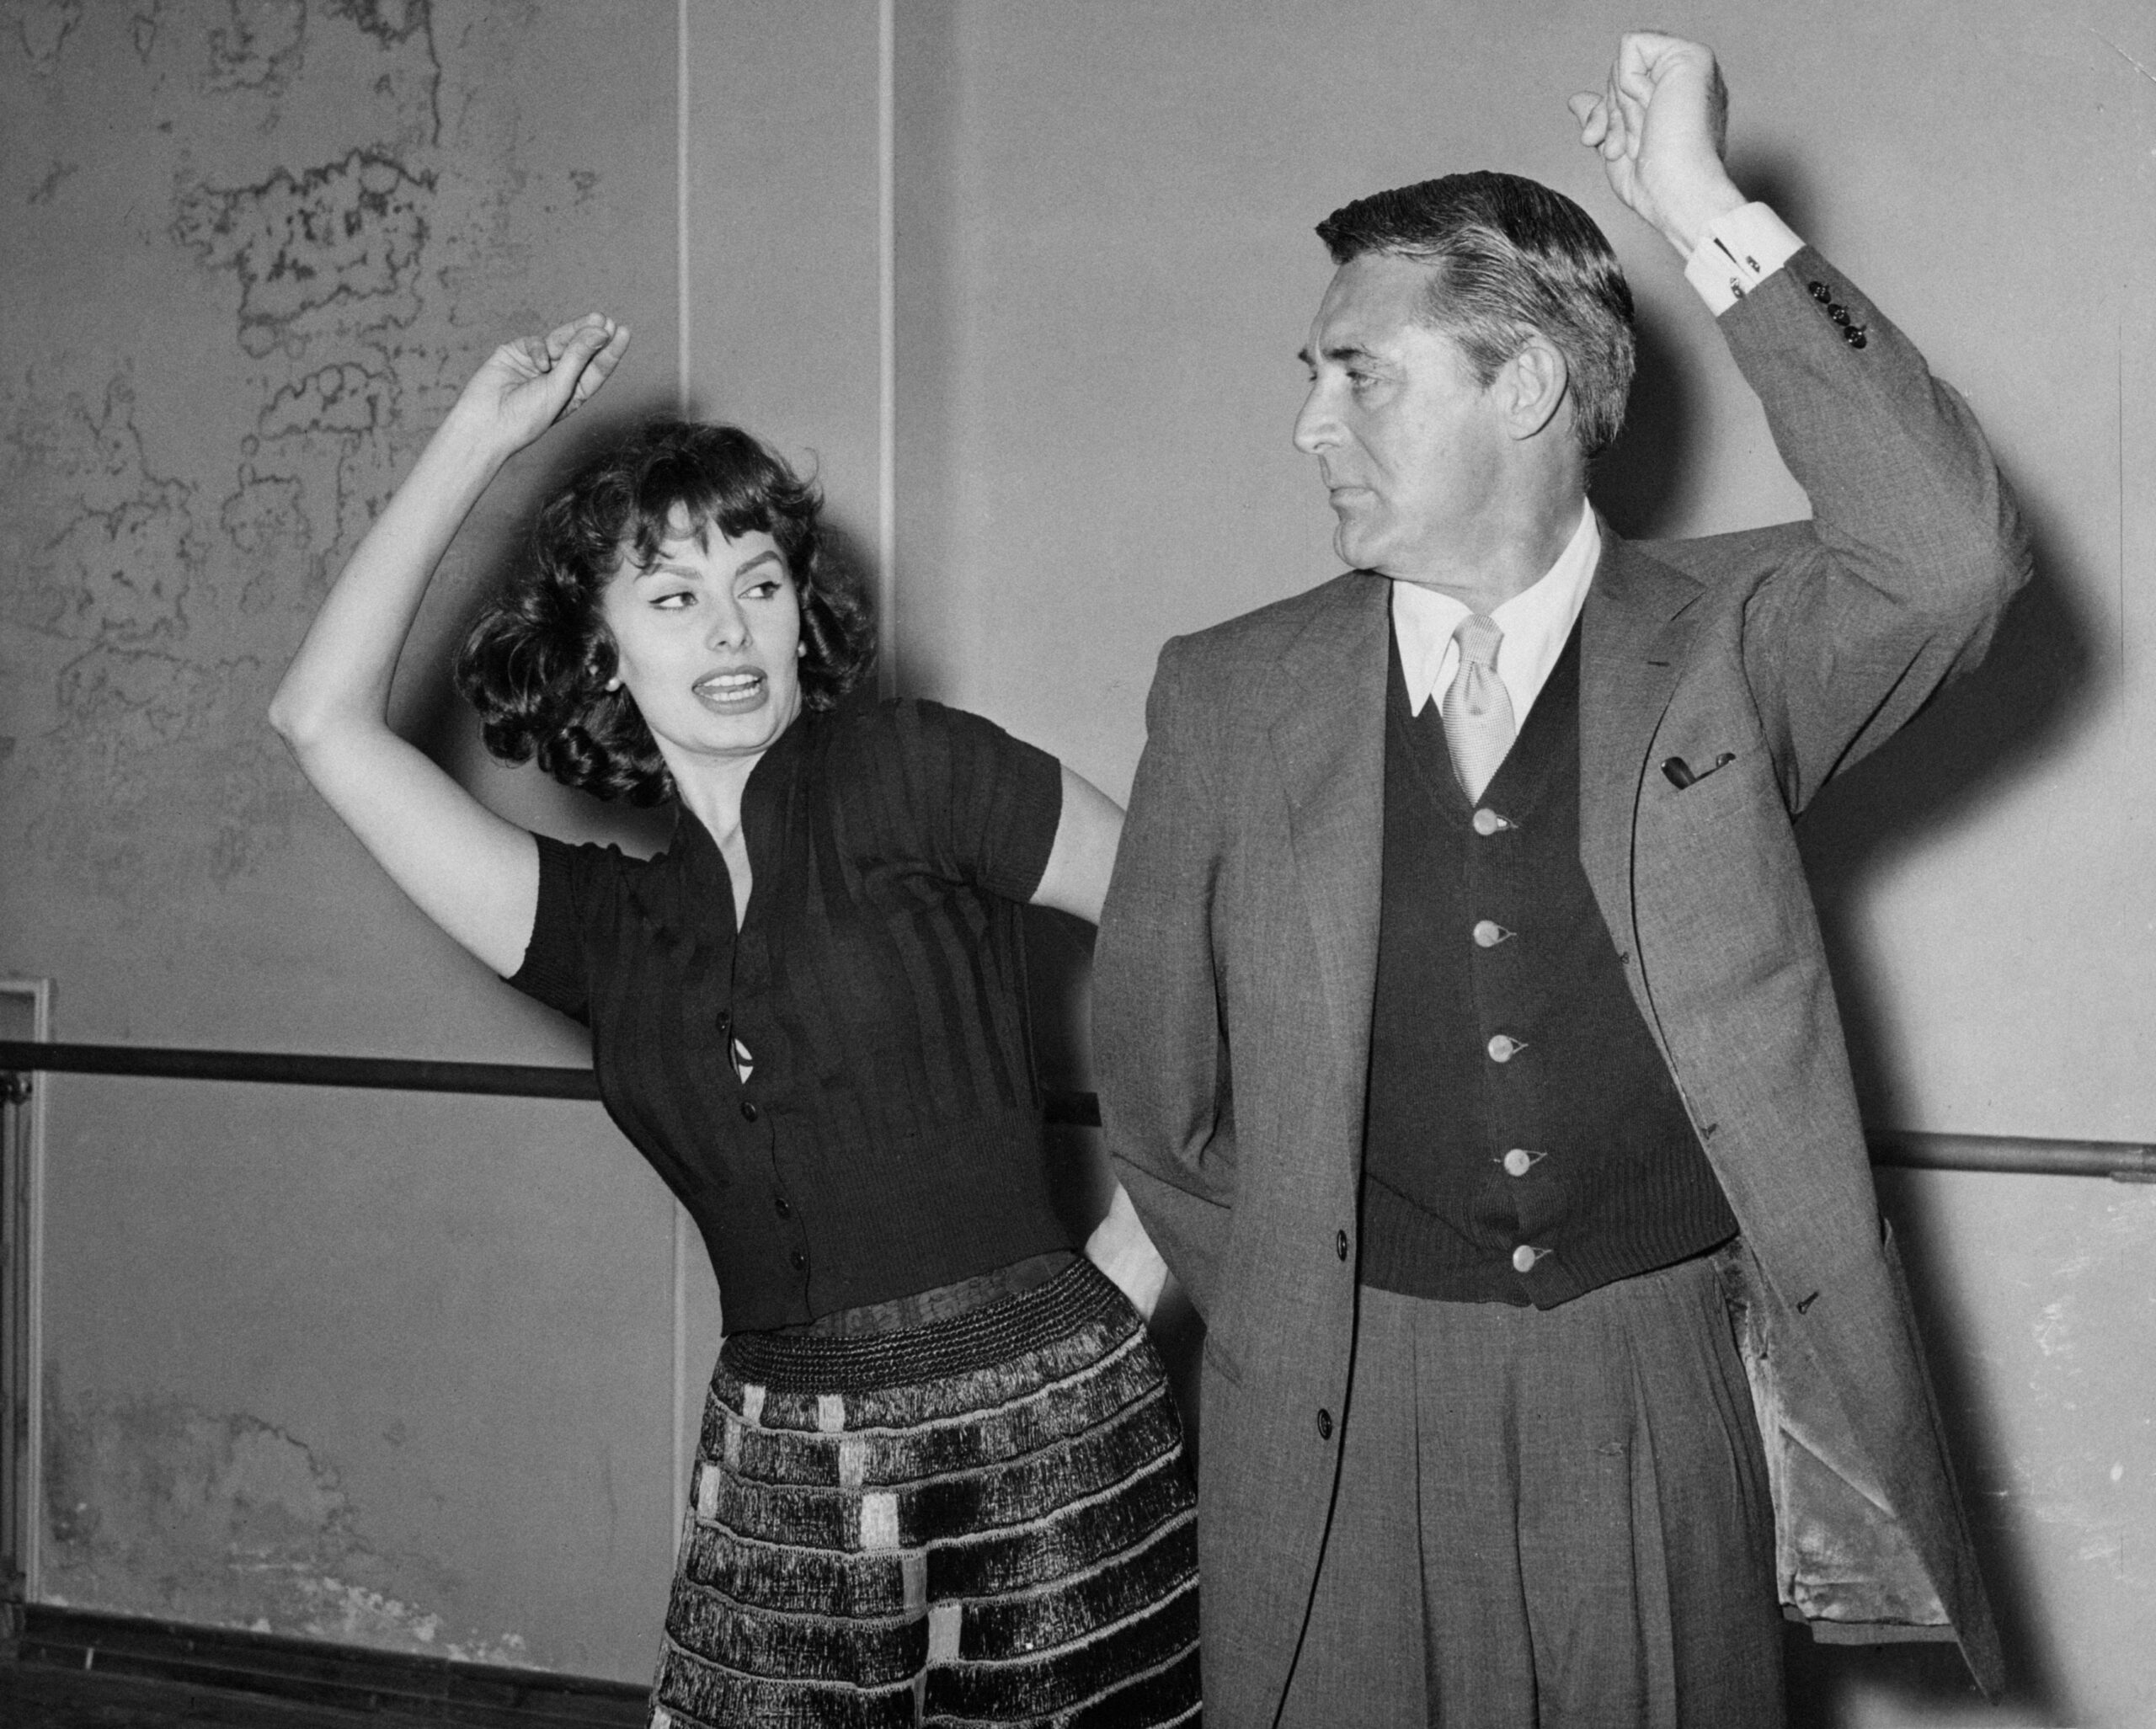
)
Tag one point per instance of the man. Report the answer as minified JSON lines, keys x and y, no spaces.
{"x":1464,"y":1033}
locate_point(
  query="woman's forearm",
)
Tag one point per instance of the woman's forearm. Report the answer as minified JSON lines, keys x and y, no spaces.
{"x":474,"y":874}
{"x":341,"y":675}
{"x":339,"y":679}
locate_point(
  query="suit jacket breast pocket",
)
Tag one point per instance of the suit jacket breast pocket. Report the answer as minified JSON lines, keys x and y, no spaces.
{"x":1723,"y":903}
{"x":1724,"y":783}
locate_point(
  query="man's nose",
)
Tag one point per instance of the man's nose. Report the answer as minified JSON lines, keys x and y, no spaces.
{"x":1317,"y":428}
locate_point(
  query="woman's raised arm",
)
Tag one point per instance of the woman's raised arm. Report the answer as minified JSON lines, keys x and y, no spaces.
{"x":472,"y":874}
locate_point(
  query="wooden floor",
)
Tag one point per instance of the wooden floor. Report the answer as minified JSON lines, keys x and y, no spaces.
{"x":35,"y":1697}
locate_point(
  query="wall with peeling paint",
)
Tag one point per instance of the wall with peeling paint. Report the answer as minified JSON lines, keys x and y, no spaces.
{"x":393,"y":1370}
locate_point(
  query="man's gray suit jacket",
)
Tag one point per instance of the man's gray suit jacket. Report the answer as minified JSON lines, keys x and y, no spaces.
{"x":1238,"y":953}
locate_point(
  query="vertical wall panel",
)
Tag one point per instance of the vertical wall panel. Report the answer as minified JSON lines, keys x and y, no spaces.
{"x":783,"y":270}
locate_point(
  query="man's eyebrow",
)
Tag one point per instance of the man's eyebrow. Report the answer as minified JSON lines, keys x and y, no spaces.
{"x":1343,"y":352}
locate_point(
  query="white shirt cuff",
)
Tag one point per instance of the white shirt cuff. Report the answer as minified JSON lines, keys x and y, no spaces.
{"x":1738,"y":253}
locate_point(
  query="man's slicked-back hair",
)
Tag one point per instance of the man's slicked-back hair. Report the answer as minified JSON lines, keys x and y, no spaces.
{"x":1512,"y":258}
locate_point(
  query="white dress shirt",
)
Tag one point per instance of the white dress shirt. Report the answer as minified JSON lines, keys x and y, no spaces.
{"x":1535,"y":623}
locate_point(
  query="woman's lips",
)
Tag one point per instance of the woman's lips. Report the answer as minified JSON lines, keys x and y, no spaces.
{"x":731,"y":689}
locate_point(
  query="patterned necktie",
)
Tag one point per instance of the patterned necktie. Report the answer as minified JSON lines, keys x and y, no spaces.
{"x":1477,"y":710}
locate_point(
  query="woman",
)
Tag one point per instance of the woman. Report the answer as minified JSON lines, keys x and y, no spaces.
{"x":940,"y":1473}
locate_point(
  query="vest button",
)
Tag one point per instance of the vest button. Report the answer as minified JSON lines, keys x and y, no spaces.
{"x":1486,"y":821}
{"x":798,"y":1260}
{"x":1339,"y":1244}
{"x":1523,"y":1259}
{"x":1501,"y":1048}
{"x":747,"y":1110}
{"x":1518,"y":1162}
{"x":1325,"y":1426}
{"x":1489,"y":933}
{"x":785,"y":1207}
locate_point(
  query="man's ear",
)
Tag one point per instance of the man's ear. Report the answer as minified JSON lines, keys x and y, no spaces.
{"x":1534,"y":384}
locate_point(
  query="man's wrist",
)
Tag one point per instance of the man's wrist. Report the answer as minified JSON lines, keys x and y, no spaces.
{"x":1736,"y":253}
{"x":1686,"y":223}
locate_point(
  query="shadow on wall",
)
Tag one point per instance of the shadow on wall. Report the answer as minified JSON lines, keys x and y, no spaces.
{"x":1644,"y":483}
{"x":2033,"y":689}
{"x":1638,"y":483}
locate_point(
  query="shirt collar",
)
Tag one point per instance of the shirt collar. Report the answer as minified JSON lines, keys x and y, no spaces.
{"x":1536,"y":622}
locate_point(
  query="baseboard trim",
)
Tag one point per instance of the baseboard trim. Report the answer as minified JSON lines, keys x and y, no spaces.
{"x":321,"y":1672}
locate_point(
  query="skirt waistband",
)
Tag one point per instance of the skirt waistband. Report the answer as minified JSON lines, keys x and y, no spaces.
{"x":978,"y":1339}
{"x":946,"y":1302}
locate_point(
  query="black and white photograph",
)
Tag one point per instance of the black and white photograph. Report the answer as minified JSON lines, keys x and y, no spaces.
{"x":1090,"y":864}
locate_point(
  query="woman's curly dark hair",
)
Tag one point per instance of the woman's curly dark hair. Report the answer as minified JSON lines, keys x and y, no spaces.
{"x":536,"y":664}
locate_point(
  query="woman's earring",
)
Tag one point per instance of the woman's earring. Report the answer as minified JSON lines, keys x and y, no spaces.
{"x":800,"y":649}
{"x":615,"y":682}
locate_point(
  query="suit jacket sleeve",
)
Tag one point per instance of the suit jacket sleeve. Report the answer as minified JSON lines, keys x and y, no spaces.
{"x":1829,"y":634}
{"x":1159,"y":1047}
{"x":1896,"y":584}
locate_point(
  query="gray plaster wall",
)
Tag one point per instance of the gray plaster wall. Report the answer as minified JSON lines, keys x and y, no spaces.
{"x":397,"y":1370}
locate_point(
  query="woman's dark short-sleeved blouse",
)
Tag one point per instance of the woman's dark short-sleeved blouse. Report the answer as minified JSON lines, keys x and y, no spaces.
{"x":888,"y":1138}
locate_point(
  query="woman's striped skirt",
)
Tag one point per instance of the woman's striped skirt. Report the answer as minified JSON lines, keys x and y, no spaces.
{"x":986,"y":1520}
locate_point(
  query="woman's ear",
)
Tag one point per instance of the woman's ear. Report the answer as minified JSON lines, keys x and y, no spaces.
{"x":599,"y":661}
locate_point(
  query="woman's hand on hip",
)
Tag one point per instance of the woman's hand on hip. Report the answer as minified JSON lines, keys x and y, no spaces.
{"x":1120,"y":1248}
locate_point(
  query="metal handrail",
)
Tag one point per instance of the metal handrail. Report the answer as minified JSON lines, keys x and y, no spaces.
{"x":2122,"y":1162}
{"x":399,"y":1074}
{"x":300,"y":1069}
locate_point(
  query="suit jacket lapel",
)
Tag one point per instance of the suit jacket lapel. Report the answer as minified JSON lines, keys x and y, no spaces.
{"x":1633,"y":635}
{"x":1328,"y":739}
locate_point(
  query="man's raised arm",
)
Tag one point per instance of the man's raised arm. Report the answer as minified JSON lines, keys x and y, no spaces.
{"x":1914,"y":546}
